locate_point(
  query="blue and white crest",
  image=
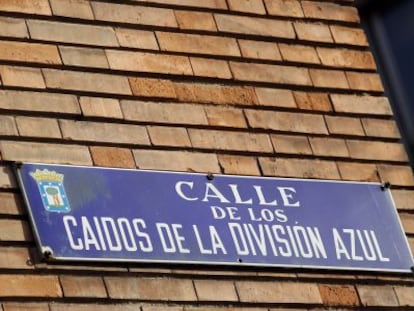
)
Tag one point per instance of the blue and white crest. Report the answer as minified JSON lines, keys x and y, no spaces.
{"x":51,"y":190}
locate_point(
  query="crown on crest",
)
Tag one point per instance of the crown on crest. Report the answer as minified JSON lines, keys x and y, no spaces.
{"x":46,"y":175}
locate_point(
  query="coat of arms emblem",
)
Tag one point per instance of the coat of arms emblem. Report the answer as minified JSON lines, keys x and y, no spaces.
{"x":51,"y":190}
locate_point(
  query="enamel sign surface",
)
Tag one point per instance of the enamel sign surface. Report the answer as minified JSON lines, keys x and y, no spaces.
{"x":101,"y":214}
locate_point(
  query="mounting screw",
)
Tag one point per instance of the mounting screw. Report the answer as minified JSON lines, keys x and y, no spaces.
{"x":385,"y":185}
{"x":47,"y":254}
{"x":240,"y":260}
{"x":210,"y":176}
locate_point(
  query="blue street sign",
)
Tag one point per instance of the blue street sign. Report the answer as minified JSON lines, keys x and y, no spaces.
{"x":102,"y":214}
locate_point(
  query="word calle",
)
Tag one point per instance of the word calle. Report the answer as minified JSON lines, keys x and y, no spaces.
{"x":211,"y":193}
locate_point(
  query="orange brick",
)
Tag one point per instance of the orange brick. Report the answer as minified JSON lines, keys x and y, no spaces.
{"x":134,"y":38}
{"x":226,"y":140}
{"x":215,"y":94}
{"x":372,"y":150}
{"x":364,"y":104}
{"x":275,"y":97}
{"x":163,"y":112}
{"x":291,"y":144}
{"x":169,"y":136}
{"x":38,"y":127}
{"x":270,"y":73}
{"x":379,"y":296}
{"x":348,"y":35}
{"x":163,"y":308}
{"x":228,"y":117}
{"x":22,"y":76}
{"x":183,"y":161}
{"x":358,"y":171}
{"x":334,"y":147}
{"x":407,"y":221}
{"x":90,"y":82}
{"x":112,"y":157}
{"x":72,"y":33}
{"x":313,"y":101}
{"x":11,"y":204}
{"x":15,"y":230}
{"x":25,"y":306}
{"x":405,"y":295}
{"x":339,"y":295}
{"x":83,"y":286}
{"x":329,"y":78}
{"x":364,"y":81}
{"x":330,"y":11}
{"x":29,"y":52}
{"x":212,"y":4}
{"x":300,"y":168}
{"x":313,"y":32}
{"x":346,"y":58}
{"x":210,"y":68}
{"x":148,"y":62}
{"x":13,"y":27}
{"x":7,"y":177}
{"x":404,"y":199}
{"x":396,"y":175}
{"x":152,"y":87}
{"x":299,"y":53}
{"x":213,"y":290}
{"x":248,"y":6}
{"x":150,"y":288}
{"x":380,"y":128}
{"x":29,"y":286}
{"x":26,"y":6}
{"x":41,"y":102}
{"x":195,"y":20}
{"x":8,"y":126}
{"x":45,"y":153}
{"x":134,"y":14}
{"x":198,"y":44}
{"x":207,"y":308}
{"x":239,"y":165}
{"x":259,"y":50}
{"x":72,"y":8}
{"x":287,"y":121}
{"x":104,"y":132}
{"x":85,"y":57}
{"x":93,"y":307}
{"x":14,"y":258}
{"x":100,"y":107}
{"x":290,"y":8}
{"x":278,"y":292}
{"x":254,"y":26}
{"x":344,"y":126}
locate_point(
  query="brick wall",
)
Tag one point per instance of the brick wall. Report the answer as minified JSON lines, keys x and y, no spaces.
{"x":253,"y":87}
